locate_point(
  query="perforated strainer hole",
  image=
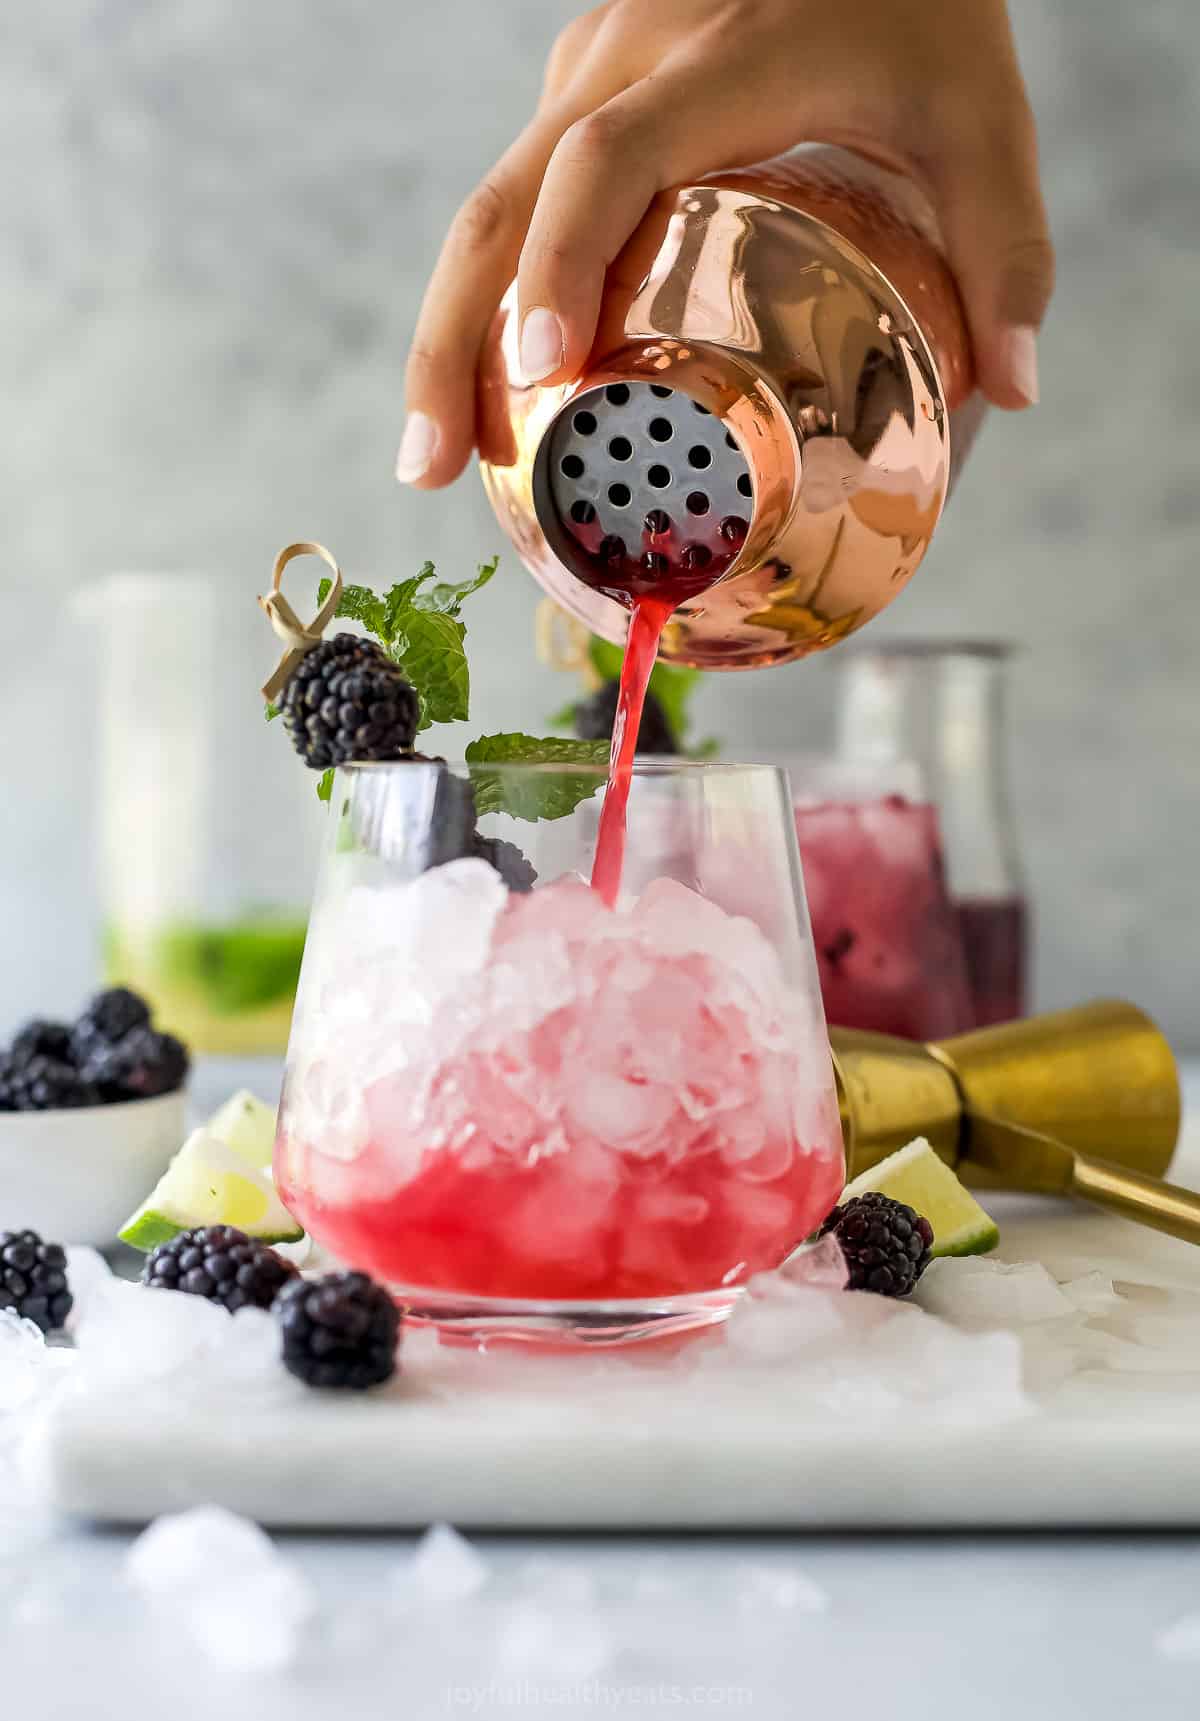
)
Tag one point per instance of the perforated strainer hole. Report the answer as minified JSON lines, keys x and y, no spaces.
{"x":619,"y":495}
{"x":731,"y":441}
{"x":661,"y":429}
{"x":696,"y":556}
{"x":698,"y":408}
{"x":660,"y":477}
{"x":733,"y":529}
{"x":612,"y":549}
{"x":700,"y":457}
{"x":582,"y":512}
{"x":657,"y":522}
{"x":621,"y":448}
{"x":745,"y":487}
{"x":657,"y":388}
{"x":697,"y":502}
{"x":585,"y":423}
{"x":654,"y":562}
{"x":617,"y":394}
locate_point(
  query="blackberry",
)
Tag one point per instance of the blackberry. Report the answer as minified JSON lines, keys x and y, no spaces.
{"x":513,"y":866}
{"x":594,"y":719}
{"x":44,"y":1084}
{"x":108,"y":1018}
{"x":339,"y":1331}
{"x":145,"y":1063}
{"x":221,"y":1263}
{"x":885,"y":1243}
{"x":41,"y":1039}
{"x":347,"y":700}
{"x":33,"y":1279}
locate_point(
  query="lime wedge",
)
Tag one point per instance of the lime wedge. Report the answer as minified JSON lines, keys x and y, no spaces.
{"x":207,"y":1183}
{"x":917,"y":1176}
{"x":245,"y":1124}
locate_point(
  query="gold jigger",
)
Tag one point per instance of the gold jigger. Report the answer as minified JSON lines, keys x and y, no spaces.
{"x":1082,"y":1102}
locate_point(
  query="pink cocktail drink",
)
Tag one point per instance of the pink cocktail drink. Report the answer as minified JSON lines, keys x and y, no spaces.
{"x":508,"y":1098}
{"x":888,"y":939}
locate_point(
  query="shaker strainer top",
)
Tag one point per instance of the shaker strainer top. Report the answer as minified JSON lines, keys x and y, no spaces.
{"x":641,"y":490}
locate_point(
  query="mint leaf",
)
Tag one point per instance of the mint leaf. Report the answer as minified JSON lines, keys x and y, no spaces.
{"x":429,"y":649}
{"x":271,"y":712}
{"x":402,"y":598}
{"x":449,"y":598}
{"x":358,"y":603}
{"x":548,"y":795}
{"x":325,"y":786}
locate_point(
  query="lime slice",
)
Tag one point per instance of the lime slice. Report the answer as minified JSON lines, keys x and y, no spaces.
{"x":207,"y":1183}
{"x":245,"y":1124}
{"x":918,"y":1177}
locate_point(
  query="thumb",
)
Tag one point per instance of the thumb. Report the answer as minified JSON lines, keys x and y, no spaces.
{"x":994,"y":224}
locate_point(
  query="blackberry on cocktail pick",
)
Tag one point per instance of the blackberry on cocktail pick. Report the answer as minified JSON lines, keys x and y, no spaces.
{"x":220,"y":1263}
{"x":594,"y":719}
{"x":43,"y":1084}
{"x":347,"y":700}
{"x":33,"y":1279}
{"x":339,"y":1331}
{"x":886,"y":1243}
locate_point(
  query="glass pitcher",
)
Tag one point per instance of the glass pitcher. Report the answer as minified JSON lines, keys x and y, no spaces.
{"x":208,"y":835}
{"x":943,"y":704}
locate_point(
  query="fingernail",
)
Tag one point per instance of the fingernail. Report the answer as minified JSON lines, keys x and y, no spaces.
{"x":1020,"y":358}
{"x":418,"y":446}
{"x":542,"y":344}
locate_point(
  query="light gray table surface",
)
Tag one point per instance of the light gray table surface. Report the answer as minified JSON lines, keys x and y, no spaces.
{"x":1041,"y":1625}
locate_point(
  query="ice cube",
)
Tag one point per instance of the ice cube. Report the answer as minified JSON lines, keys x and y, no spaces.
{"x":22,"y":1358}
{"x":444,"y":1568}
{"x":220,"y":1577}
{"x":760,"y":1588}
{"x":1181,"y":1641}
{"x":558,"y":1645}
{"x":979,"y":1295}
{"x":821,"y":1265}
{"x":88,"y":1275}
{"x":184,"y":1550}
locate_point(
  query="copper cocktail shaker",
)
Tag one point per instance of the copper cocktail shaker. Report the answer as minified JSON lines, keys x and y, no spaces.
{"x":779,"y":386}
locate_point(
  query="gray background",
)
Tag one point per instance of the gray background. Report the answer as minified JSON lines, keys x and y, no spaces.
{"x":215,"y":222}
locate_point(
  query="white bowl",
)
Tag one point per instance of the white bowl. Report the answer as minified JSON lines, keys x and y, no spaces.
{"x":76,"y":1175}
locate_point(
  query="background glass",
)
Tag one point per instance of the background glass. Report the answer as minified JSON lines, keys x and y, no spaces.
{"x":209,"y":831}
{"x":533,"y":1115}
{"x":943,"y":705}
{"x":888,"y":939}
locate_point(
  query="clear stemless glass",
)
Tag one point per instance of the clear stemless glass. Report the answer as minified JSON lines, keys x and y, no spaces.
{"x":537,"y":1117}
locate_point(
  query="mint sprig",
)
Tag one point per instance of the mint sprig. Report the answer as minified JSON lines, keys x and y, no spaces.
{"x":418,"y":623}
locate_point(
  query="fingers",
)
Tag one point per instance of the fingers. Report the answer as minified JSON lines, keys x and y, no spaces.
{"x":600,"y":179}
{"x":995,"y":228}
{"x":477,"y":262}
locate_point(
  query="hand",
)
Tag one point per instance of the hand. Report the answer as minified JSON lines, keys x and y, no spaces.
{"x":640,"y":95}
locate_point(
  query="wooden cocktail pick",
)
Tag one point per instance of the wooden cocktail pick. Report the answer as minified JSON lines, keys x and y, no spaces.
{"x":298,"y":638}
